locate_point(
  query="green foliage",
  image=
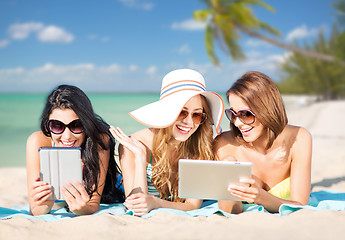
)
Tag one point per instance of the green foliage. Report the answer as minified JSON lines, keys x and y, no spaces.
{"x":339,"y":6}
{"x":302,"y":74}
{"x":225,"y":19}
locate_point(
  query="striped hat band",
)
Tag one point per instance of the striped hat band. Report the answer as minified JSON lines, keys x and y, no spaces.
{"x":183,"y":85}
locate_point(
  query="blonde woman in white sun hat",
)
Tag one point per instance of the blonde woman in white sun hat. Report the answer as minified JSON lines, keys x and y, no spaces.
{"x":180,"y":126}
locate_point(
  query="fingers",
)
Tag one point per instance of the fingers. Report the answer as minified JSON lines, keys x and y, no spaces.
{"x":119,"y":135}
{"x":246,"y":190}
{"x":74,"y":193}
{"x":130,"y":143}
{"x":41,"y":192}
{"x":248,"y":181}
{"x":138,"y":203}
{"x":248,"y":197}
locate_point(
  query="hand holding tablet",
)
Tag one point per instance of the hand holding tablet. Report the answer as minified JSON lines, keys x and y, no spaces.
{"x":207,"y":179}
{"x":60,"y":165}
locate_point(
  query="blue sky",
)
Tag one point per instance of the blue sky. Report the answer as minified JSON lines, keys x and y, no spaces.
{"x":129,"y":45}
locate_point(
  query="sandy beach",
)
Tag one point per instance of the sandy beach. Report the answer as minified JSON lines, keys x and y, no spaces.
{"x":324,"y":120}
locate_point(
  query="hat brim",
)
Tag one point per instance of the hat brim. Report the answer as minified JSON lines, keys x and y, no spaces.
{"x":163,"y":113}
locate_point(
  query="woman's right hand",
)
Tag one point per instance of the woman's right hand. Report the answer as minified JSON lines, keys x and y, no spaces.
{"x":135,"y":146}
{"x":40,"y":193}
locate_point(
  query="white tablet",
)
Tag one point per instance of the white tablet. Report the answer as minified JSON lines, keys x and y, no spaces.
{"x":58,"y":165}
{"x":206,"y":179}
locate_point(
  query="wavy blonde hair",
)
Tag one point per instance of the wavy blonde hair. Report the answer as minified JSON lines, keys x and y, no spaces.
{"x":197,"y":146}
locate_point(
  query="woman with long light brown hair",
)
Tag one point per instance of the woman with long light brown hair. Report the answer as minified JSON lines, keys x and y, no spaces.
{"x":180,"y":127}
{"x":280,"y":153}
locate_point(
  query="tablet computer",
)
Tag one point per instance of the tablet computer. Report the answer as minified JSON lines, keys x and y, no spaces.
{"x":58,"y":165}
{"x":207,"y":179}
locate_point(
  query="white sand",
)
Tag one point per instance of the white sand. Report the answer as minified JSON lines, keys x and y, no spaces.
{"x":324,"y":120}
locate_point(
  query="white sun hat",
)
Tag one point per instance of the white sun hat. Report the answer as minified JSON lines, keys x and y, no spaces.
{"x":178,"y":87}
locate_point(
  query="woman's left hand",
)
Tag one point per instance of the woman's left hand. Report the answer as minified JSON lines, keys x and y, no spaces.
{"x":248,"y":190}
{"x":76,"y":196}
{"x":140,"y":203}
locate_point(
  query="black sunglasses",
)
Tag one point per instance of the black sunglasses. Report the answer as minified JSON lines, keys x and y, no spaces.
{"x":58,"y":127}
{"x":245,"y":116}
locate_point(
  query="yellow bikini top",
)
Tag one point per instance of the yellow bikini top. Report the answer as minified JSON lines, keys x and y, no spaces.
{"x":282,"y":189}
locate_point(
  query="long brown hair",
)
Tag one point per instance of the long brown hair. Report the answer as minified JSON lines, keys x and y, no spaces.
{"x":262,"y":96}
{"x":197,"y":146}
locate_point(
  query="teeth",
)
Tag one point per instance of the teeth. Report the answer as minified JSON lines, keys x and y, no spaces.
{"x":68,"y":144}
{"x":246,"y":130}
{"x":184,"y":128}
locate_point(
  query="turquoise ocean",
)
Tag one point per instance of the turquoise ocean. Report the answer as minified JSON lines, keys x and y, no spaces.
{"x":20,"y":116}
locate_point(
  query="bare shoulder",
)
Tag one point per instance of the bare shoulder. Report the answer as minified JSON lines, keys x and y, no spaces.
{"x":299,"y":133}
{"x":34,"y":142}
{"x":38,"y":139}
{"x":298,"y":138}
{"x":225,"y":146}
{"x":145,"y":136}
{"x":225,"y":138}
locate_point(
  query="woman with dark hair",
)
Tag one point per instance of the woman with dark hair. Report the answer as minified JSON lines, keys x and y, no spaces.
{"x":259,"y":133}
{"x":180,"y":126}
{"x":68,"y":120}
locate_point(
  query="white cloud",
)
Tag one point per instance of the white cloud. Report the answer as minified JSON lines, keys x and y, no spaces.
{"x":4,"y":43}
{"x":301,"y":32}
{"x":190,"y":24}
{"x":21,"y":31}
{"x":133,"y":68}
{"x":55,"y":34}
{"x":184,"y":49}
{"x":89,"y":77}
{"x":152,"y":70}
{"x":140,"y":4}
{"x":129,"y":78}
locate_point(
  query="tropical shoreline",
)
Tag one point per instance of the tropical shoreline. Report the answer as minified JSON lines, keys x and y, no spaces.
{"x":324,"y":120}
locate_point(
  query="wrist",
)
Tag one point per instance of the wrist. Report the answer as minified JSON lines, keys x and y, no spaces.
{"x":140,"y":160}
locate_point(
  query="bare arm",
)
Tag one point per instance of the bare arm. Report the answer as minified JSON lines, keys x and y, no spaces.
{"x":38,"y":191}
{"x":222,"y":151}
{"x":133,"y":160}
{"x":80,"y":202}
{"x":301,"y":168}
{"x":134,"y":156}
{"x":299,"y":178}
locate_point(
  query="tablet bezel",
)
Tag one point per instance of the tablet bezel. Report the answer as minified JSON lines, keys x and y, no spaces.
{"x":58,"y":165}
{"x":208,"y":179}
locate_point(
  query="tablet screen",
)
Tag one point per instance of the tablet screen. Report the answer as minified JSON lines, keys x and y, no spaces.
{"x":206,"y":179}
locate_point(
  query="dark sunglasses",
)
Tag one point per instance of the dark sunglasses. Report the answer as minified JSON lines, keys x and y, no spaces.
{"x":246,"y":116}
{"x":58,"y":127}
{"x":197,"y":117}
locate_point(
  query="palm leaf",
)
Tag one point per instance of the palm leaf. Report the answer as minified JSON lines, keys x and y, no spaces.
{"x":209,"y":35}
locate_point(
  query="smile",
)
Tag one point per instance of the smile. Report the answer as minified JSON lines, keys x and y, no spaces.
{"x":68,"y":144}
{"x":183,"y":130}
{"x":246,"y":131}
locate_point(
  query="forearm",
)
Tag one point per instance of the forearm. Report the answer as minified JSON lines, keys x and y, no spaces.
{"x":36,"y":210}
{"x":140,"y":178}
{"x":272,"y":203}
{"x":88,"y":209}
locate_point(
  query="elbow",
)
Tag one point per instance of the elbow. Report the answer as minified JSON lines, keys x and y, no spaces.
{"x":230,"y":206}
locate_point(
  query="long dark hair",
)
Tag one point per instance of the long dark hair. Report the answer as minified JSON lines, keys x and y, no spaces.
{"x":95,"y":128}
